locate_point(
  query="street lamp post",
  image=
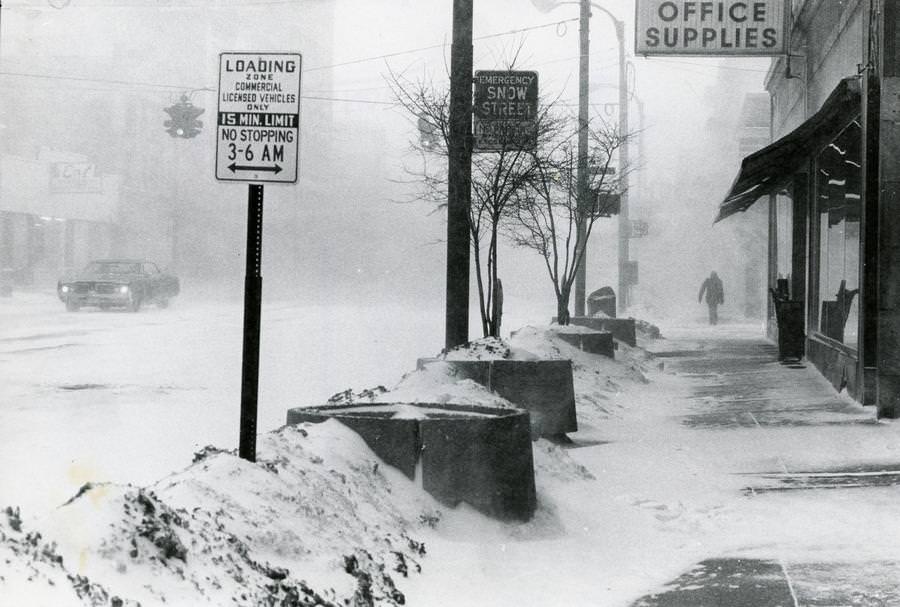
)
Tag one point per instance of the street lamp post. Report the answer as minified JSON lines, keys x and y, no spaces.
{"x":625,"y":278}
{"x":583,"y":169}
{"x":584,"y":42}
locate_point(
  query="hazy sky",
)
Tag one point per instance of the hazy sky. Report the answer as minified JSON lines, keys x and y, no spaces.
{"x":353,"y":236}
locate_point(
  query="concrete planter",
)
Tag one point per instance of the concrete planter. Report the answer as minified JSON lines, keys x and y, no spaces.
{"x":621,"y":328}
{"x":595,"y":342}
{"x":544,"y":387}
{"x":478,"y":455}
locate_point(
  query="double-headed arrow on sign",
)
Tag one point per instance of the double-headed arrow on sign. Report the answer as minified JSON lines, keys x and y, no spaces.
{"x":233,"y":167}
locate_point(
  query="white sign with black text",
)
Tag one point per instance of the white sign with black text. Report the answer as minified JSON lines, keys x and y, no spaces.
{"x":258,"y":121}
{"x":714,"y":27}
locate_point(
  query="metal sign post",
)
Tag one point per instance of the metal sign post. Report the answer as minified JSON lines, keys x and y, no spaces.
{"x":252,"y":322}
{"x":257,"y":140}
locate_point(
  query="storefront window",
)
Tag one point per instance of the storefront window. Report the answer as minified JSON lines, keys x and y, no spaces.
{"x":784,"y":222}
{"x":838,"y":203}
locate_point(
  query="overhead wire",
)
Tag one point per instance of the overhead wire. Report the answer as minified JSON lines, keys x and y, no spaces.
{"x":324,"y":67}
{"x":159,"y":85}
{"x":118,"y":82}
{"x":435,"y":46}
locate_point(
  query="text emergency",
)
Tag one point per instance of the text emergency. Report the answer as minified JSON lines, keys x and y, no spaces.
{"x":505,"y":110}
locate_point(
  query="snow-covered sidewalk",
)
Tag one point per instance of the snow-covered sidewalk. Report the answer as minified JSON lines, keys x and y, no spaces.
{"x":817,"y":477}
{"x":708,"y":462}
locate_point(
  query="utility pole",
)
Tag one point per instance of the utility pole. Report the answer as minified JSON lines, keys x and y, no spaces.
{"x":882,"y":219}
{"x":459,"y":177}
{"x":584,"y":205}
{"x":624,"y":299}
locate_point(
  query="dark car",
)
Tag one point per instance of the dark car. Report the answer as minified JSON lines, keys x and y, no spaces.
{"x":118,"y":283}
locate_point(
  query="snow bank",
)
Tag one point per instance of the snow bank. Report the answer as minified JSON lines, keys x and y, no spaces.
{"x":317,"y":520}
{"x":598,"y":379}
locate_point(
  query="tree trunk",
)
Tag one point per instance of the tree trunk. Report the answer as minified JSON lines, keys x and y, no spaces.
{"x":497,"y":312}
{"x":562,"y":310}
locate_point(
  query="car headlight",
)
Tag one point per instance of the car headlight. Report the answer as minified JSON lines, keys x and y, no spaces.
{"x":123,"y":289}
{"x":65,"y":288}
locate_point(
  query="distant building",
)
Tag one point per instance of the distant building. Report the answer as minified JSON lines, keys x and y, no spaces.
{"x":755,"y":123}
{"x":87,"y":168}
{"x":754,"y":133}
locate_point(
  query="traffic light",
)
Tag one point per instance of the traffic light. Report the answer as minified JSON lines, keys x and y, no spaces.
{"x":183,"y":119}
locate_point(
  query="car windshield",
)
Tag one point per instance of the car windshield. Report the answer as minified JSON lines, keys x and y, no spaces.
{"x":112,"y":267}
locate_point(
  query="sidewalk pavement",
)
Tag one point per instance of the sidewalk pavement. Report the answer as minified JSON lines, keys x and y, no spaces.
{"x":740,"y":384}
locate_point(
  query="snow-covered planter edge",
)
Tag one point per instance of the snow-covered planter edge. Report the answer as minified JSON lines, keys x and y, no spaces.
{"x":545,"y":388}
{"x":622,"y":329}
{"x":585,"y":339}
{"x":478,"y":455}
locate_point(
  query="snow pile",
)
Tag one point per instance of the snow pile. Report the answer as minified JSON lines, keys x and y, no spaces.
{"x":488,"y":348}
{"x":316,"y":521}
{"x":647,"y":330}
{"x":598,"y":379}
{"x":433,"y":384}
{"x":33,"y":572}
{"x":436,"y":383}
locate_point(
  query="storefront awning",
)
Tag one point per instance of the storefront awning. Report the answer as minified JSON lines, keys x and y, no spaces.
{"x":772,"y":167}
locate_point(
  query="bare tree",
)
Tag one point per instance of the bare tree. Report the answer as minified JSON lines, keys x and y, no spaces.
{"x":546,"y":216}
{"x":497,"y":178}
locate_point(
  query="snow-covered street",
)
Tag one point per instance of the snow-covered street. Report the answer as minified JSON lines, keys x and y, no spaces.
{"x":707,"y":452}
{"x":125,"y":397}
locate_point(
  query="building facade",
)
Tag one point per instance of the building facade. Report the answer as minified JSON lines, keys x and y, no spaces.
{"x":830,"y":178}
{"x":87,"y":168}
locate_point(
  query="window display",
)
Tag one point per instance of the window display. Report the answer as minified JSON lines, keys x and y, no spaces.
{"x":838,"y":206}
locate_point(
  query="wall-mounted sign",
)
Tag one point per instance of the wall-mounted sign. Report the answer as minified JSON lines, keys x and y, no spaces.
{"x":74,"y":178}
{"x":720,"y":27}
{"x":258,"y":126}
{"x":505,"y":110}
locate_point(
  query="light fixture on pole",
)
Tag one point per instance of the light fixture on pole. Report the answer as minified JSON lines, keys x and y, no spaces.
{"x":583,"y":169}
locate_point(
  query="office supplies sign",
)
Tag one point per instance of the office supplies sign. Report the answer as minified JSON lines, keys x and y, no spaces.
{"x":719,"y":27}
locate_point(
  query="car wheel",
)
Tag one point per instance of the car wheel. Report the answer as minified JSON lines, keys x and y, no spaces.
{"x":72,"y":305}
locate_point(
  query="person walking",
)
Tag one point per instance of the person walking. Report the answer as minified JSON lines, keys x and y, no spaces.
{"x":715,"y":296}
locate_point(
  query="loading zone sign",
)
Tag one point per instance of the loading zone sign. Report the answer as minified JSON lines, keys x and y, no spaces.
{"x":505,"y":110}
{"x":258,"y":124}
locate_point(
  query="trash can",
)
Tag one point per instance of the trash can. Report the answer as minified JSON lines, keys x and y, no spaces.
{"x":789,"y":315}
{"x":602,"y":300}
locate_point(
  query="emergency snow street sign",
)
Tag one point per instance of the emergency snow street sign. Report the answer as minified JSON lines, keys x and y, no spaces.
{"x":505,"y":110}
{"x":258,"y":125}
